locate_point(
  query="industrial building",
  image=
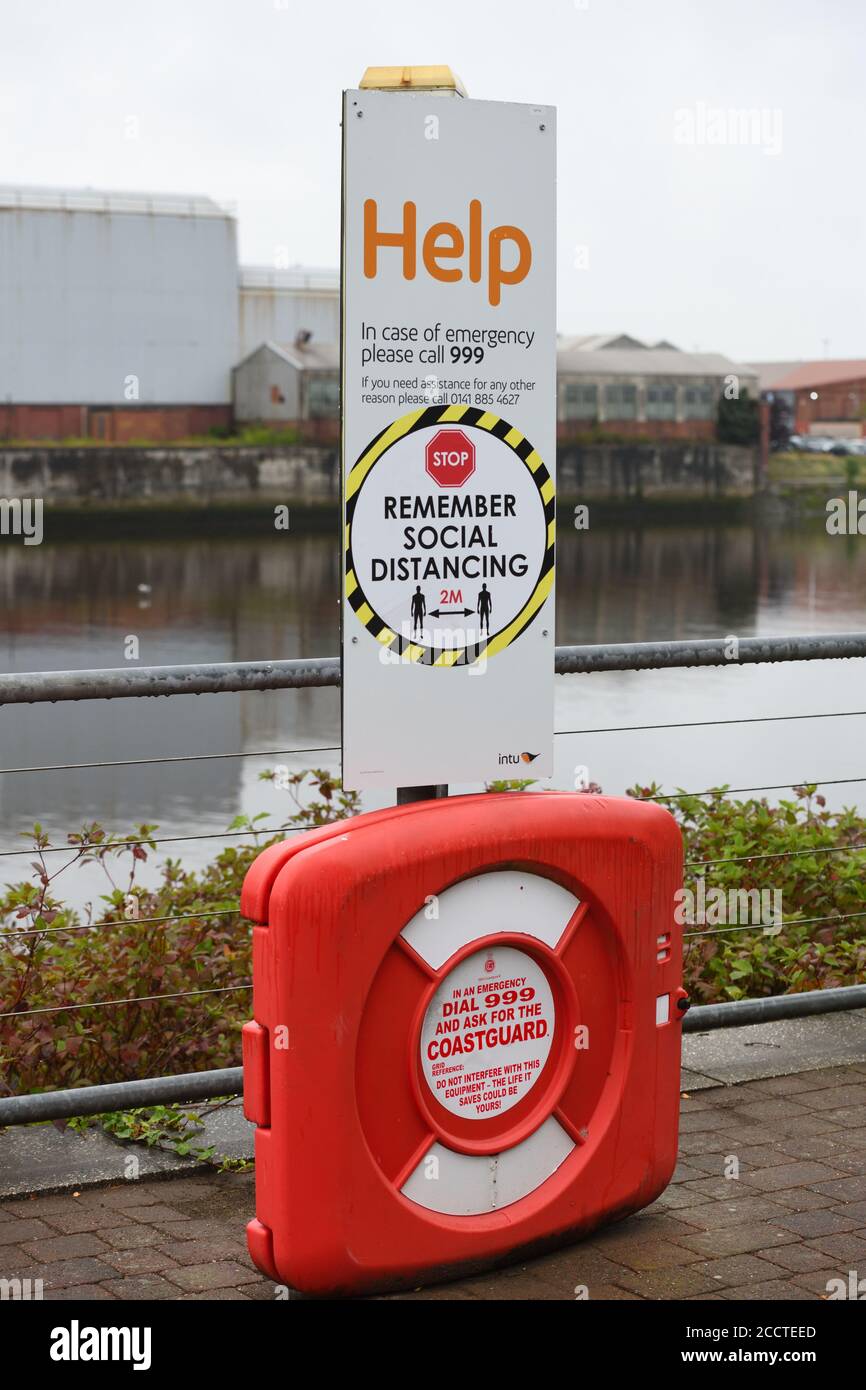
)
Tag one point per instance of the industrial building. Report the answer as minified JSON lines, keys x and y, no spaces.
{"x":118,"y":314}
{"x":291,"y":383}
{"x":612,"y":383}
{"x":125,"y":317}
{"x":618,"y":385}
{"x":823,"y":398}
{"x":278,"y":305}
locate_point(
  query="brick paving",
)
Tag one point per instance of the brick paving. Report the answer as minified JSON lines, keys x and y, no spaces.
{"x":793,"y":1219}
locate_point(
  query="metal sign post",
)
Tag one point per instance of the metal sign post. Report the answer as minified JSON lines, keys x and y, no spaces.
{"x":449,"y":383}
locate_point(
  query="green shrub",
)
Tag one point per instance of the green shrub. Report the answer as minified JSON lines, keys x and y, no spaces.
{"x":781,"y":848}
{"x":128,"y":950}
{"x":738,"y":419}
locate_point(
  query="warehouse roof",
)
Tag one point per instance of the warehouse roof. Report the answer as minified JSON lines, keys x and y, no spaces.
{"x":798,"y":376}
{"x":594,"y":342}
{"x":577,"y":361}
{"x":771,"y":372}
{"x":306,"y":357}
{"x":310,"y":356}
{"x":32,"y":199}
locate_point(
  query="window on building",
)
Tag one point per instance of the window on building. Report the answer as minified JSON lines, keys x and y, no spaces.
{"x":699,"y":402}
{"x":661,"y":403}
{"x":620,"y":402}
{"x":580,"y":402}
{"x":323,"y":396}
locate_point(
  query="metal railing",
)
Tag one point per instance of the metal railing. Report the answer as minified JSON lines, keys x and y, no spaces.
{"x":228,"y":1081}
{"x":220,"y":678}
{"x":137,"y":682}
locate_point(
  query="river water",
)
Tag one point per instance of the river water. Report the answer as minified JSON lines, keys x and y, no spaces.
{"x":74,"y":606}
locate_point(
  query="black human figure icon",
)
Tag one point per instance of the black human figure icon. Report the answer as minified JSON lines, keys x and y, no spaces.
{"x":483,"y":608}
{"x":419,"y":610}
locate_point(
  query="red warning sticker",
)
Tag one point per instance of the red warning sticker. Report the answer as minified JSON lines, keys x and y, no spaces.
{"x":487,"y":1033}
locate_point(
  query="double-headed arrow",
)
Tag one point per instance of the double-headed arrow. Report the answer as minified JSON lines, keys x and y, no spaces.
{"x":451,"y":612}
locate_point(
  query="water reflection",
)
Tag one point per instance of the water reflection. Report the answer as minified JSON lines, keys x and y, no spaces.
{"x":73,"y":606}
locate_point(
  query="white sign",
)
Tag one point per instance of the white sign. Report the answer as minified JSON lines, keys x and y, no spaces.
{"x":449,"y":407}
{"x":487,"y":1033}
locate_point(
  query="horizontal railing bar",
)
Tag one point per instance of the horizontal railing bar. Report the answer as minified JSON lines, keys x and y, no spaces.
{"x":122,"y":922}
{"x":713,"y":651}
{"x":775,"y":928}
{"x":95,"y":847}
{"x":121,"y":1095}
{"x":779,"y":854}
{"x":218,"y":757}
{"x":210,"y":1085}
{"x":683,"y":724}
{"x":335,"y":747}
{"x":769,"y":787}
{"x":118,"y":683}
{"x":134,"y":999}
{"x":37,"y":687}
{"x":705,"y":1018}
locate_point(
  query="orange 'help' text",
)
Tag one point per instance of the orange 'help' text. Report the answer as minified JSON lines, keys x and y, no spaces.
{"x":444,"y":243}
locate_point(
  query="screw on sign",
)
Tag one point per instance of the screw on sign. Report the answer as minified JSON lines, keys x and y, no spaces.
{"x":450,"y":458}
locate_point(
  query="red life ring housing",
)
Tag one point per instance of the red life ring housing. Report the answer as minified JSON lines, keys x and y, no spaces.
{"x":466,"y":1042}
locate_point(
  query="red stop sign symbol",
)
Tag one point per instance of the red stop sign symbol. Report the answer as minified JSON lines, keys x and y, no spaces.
{"x":450,"y":458}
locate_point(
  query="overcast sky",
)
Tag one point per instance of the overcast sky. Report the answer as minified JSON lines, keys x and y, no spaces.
{"x":753,"y":249}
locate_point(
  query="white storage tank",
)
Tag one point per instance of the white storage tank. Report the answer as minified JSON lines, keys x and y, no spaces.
{"x":116,"y":299}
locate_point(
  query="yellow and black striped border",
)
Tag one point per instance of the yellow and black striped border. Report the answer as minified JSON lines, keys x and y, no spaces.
{"x":466,"y":416}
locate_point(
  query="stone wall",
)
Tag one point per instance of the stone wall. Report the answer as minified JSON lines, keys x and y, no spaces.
{"x":657,"y":470}
{"x":108,"y":475}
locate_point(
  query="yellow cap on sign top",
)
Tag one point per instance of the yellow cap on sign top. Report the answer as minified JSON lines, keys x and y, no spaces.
{"x":421,"y":79}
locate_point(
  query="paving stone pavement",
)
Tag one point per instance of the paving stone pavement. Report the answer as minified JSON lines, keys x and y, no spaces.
{"x":793,"y":1219}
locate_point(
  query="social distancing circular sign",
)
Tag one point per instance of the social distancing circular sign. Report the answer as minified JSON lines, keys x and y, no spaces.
{"x":487,"y":1033}
{"x":449,"y":540}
